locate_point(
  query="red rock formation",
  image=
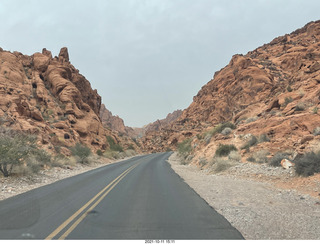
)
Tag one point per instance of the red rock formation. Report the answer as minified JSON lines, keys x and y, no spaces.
{"x":48,"y":97}
{"x":273,"y":90}
{"x":113,"y":122}
{"x":163,"y":123}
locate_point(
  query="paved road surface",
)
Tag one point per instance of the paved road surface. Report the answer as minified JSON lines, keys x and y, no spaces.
{"x":139,"y":198}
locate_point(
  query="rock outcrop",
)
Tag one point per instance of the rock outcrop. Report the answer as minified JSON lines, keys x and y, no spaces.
{"x":114,"y":123}
{"x":48,"y":97}
{"x":272,"y":91}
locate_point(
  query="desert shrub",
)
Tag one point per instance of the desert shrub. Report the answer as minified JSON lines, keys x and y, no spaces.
{"x":129,"y":153}
{"x":131,"y":147}
{"x":82,"y":152}
{"x":308,"y":164}
{"x":252,"y":119}
{"x":316,"y":131}
{"x":315,"y":110}
{"x":207,"y":138}
{"x":220,"y":164}
{"x":252,"y":142}
{"x":287,"y":100}
{"x":220,"y":127}
{"x":289,"y":89}
{"x":277,"y":158}
{"x":261,"y":156}
{"x":99,"y":152}
{"x":224,"y":150}
{"x":263,"y":138}
{"x":199,"y":136}
{"x":226,"y":131}
{"x":202,"y":162}
{"x":184,"y":148}
{"x":111,"y":154}
{"x":234,"y":155}
{"x":300,"y":107}
{"x":251,"y":159}
{"x":113,"y":145}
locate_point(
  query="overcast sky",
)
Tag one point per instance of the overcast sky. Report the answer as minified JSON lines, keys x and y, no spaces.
{"x":148,"y":58}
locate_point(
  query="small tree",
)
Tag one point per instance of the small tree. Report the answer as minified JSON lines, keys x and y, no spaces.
{"x":15,"y":147}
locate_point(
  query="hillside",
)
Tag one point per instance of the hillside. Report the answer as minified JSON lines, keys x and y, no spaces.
{"x":48,"y":97}
{"x":271,"y":92}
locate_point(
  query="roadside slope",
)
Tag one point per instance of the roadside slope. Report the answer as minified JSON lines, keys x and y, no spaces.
{"x":259,"y":210}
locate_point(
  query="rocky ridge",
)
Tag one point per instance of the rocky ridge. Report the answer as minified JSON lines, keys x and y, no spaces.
{"x":272,"y":91}
{"x":47,"y":96}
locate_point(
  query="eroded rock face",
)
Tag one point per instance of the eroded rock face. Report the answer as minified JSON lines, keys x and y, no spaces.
{"x":49,"y":97}
{"x":273,"y":91}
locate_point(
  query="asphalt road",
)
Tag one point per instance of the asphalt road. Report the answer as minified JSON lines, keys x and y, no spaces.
{"x":139,"y":198}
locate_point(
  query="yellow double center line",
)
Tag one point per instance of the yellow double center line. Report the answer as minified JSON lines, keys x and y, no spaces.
{"x":102,"y":194}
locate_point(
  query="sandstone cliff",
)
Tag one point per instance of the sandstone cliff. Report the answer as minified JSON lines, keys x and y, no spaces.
{"x":272,"y":91}
{"x":48,"y":97}
{"x":163,"y":123}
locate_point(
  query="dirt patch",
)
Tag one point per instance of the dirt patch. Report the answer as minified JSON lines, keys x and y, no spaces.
{"x":258,"y":208}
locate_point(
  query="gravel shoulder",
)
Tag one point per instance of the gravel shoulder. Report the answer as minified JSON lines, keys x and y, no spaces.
{"x":261,"y":209}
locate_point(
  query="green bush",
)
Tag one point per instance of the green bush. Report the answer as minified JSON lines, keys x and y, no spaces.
{"x":82,"y":152}
{"x":224,"y":150}
{"x":113,"y":145}
{"x":308,"y":164}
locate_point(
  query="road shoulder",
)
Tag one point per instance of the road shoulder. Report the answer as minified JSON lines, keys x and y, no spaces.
{"x":259,"y":210}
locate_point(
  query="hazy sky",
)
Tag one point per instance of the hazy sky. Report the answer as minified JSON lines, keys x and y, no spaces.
{"x":147,"y":58}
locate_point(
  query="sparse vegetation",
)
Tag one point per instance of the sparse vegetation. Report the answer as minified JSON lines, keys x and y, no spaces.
{"x":221,"y":164}
{"x":226,"y":131}
{"x":202,"y":162}
{"x":113,"y":145}
{"x":220,"y":128}
{"x":316,"y":131}
{"x":264,"y":138}
{"x":260,"y":156}
{"x":252,"y":119}
{"x":81,"y":152}
{"x":20,"y":150}
{"x":289,"y":89}
{"x":235,"y":156}
{"x":277,"y":158}
{"x":99,"y":152}
{"x":287,"y":100}
{"x":308,"y":164}
{"x":252,"y":142}
{"x":184,"y":148}
{"x":224,"y":150}
{"x":315,"y":110}
{"x":300,"y":107}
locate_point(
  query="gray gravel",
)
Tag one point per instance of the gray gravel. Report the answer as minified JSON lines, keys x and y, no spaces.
{"x":257,"y":209}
